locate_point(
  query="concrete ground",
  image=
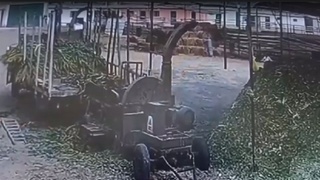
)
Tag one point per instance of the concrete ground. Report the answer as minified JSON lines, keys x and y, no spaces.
{"x":198,"y":82}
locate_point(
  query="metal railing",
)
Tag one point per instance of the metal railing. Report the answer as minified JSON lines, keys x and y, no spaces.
{"x":273,"y":27}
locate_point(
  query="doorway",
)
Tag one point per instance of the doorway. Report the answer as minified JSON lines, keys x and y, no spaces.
{"x":308,"y":22}
{"x":267,"y":21}
{"x":193,"y":15}
{"x":142,"y":14}
{"x":173,"y":17}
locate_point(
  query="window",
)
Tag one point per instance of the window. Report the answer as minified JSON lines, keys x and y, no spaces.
{"x":295,"y":20}
{"x":267,"y":19}
{"x":173,"y":14}
{"x":156,"y":13}
{"x":73,"y":13}
{"x":278,"y":19}
{"x":218,"y":18}
{"x":142,"y":14}
{"x":193,"y":15}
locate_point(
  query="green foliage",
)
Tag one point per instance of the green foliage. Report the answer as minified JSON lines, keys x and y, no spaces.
{"x":286,"y":103}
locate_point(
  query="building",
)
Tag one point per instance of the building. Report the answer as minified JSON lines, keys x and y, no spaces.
{"x":262,"y":20}
{"x":10,"y":13}
{"x":268,"y":20}
{"x":168,"y":16}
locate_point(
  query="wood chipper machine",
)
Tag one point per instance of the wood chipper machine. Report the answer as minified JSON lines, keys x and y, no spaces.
{"x":145,"y":124}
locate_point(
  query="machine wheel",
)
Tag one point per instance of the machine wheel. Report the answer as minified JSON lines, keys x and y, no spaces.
{"x":185,"y":118}
{"x":201,"y":153}
{"x":141,"y":162}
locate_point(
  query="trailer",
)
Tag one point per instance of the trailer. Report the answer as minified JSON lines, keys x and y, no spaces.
{"x":139,"y":116}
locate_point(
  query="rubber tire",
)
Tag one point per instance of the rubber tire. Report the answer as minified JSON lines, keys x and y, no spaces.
{"x":141,"y":162}
{"x":202,"y":154}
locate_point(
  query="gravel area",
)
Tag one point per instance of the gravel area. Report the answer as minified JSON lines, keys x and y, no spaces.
{"x":198,"y":82}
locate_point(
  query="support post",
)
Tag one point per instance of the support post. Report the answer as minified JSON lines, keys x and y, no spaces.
{"x":51,"y":53}
{"x":110,"y":40}
{"x":185,"y":13}
{"x":128,"y":35}
{"x":113,"y":69}
{"x":257,"y":32}
{"x":25,"y":36}
{"x":239,"y":28}
{"x":151,"y":49}
{"x":225,"y":35}
{"x":38,"y":53}
{"x":249,"y":30}
{"x":99,"y":27}
{"x":281,"y":30}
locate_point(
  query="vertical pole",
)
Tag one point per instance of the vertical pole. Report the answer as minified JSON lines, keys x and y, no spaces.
{"x":199,"y":19}
{"x":151,"y":40}
{"x":19,"y":30}
{"x":110,"y":39}
{"x":49,"y":29}
{"x":90,"y":21}
{"x":25,"y":36}
{"x":51,"y":54}
{"x":287,"y":30}
{"x":126,"y":74}
{"x":239,"y":28}
{"x":185,"y":13}
{"x":39,"y":52}
{"x":257,"y":31}
{"x":128,"y":35}
{"x":220,"y":17}
{"x":87,"y":22}
{"x":114,"y":42}
{"x":281,"y":30}
{"x":225,"y":35}
{"x":251,"y":84}
{"x":118,"y":45}
{"x":289,"y":48}
{"x":95,"y":30}
{"x":86,"y":27}
{"x":99,"y":28}
{"x":33,"y":35}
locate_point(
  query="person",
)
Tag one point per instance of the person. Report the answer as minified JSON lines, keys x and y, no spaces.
{"x":210,"y":47}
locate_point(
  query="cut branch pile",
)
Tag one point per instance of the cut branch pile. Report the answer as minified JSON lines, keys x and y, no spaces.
{"x":286,"y":101}
{"x":75,"y":62}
